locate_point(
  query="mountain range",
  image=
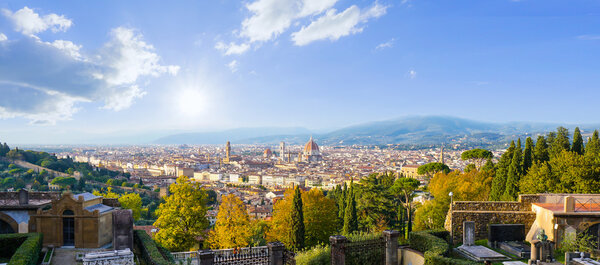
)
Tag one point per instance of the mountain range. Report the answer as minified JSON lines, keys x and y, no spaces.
{"x":412,"y":130}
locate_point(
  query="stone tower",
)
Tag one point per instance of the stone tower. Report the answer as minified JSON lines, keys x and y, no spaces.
{"x":282,"y":150}
{"x":442,"y":155}
{"x":227,"y":151}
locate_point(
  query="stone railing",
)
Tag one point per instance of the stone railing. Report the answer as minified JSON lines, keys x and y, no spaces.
{"x":117,"y":257}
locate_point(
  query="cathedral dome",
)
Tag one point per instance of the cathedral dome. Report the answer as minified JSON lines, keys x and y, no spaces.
{"x":311,"y":147}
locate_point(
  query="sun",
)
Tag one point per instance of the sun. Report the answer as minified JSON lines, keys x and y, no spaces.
{"x":190,"y":102}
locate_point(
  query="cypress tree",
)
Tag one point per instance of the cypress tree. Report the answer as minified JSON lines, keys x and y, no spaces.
{"x":540,"y":154}
{"x":342,"y":204}
{"x":527,"y":155}
{"x":499,"y":181}
{"x":515,"y":171}
{"x":577,"y":142}
{"x":350,"y":217}
{"x":561,"y":142}
{"x":593,"y":145}
{"x":297,"y":231}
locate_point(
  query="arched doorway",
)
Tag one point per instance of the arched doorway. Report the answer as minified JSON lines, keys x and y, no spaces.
{"x":68,"y":228}
{"x":594,"y":231}
{"x":6,"y":228}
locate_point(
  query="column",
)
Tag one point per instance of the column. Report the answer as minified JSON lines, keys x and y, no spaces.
{"x":391,"y":246}
{"x":276,"y":253}
{"x":338,"y":250}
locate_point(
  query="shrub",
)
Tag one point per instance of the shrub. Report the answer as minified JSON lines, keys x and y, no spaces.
{"x":434,"y":246}
{"x":25,"y":248}
{"x":152,"y":253}
{"x":319,"y":255}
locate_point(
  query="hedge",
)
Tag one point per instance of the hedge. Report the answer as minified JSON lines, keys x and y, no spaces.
{"x":319,"y":255}
{"x":151,"y":252}
{"x":435,"y":247}
{"x":24,"y":248}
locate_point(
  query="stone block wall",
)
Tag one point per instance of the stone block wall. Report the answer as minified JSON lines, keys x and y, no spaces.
{"x":483,"y":218}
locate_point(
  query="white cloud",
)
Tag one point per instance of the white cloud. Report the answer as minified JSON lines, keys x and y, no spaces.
{"x":45,"y":82}
{"x":272,"y":17}
{"x":3,"y":37}
{"x":334,"y":25}
{"x":232,"y":48}
{"x":233,"y":66}
{"x":387,"y":44}
{"x":68,"y":47}
{"x":412,"y":74}
{"x":588,"y":37}
{"x":28,"y":22}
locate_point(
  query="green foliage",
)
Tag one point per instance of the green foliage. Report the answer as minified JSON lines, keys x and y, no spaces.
{"x":527,"y":155}
{"x":297,"y":239}
{"x":23,"y":249}
{"x":560,"y":142}
{"x":540,"y":153}
{"x":318,"y":255}
{"x":4,"y":149}
{"x":434,"y":248}
{"x":577,"y":142}
{"x":151,"y":252}
{"x":499,"y":182}
{"x":431,"y":168}
{"x":515,"y":171}
{"x":350,"y":216}
{"x":470,"y":167}
{"x":376,"y":204}
{"x":64,"y":181}
{"x":132,"y":201}
{"x":593,"y":145}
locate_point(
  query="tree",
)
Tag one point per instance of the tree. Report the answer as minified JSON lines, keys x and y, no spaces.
{"x":376,"y":206}
{"x":405,"y":187}
{"x":527,"y":155}
{"x":515,"y":171}
{"x":350,"y":217}
{"x":182,"y":217}
{"x":477,"y":155}
{"x":4,"y":149}
{"x":132,"y":201}
{"x":342,"y":205}
{"x":64,"y":182}
{"x":320,"y":217}
{"x":577,"y":142}
{"x":297,"y":222}
{"x":232,"y":228}
{"x":561,"y":142}
{"x":593,"y":145}
{"x":432,"y":168}
{"x":499,"y":182}
{"x":541,"y":150}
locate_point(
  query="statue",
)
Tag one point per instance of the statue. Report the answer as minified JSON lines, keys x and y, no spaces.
{"x":542,"y":236}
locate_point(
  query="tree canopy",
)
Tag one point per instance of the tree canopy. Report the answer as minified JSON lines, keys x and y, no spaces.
{"x":431,"y":168}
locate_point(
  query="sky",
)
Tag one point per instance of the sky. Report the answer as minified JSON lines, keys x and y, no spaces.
{"x":83,"y":71}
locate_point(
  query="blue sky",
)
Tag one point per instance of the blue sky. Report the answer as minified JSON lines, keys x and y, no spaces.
{"x":72,"y":71}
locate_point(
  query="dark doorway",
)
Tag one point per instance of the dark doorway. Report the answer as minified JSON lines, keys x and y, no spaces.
{"x":5,"y":228}
{"x":594,"y":231}
{"x":68,"y":229}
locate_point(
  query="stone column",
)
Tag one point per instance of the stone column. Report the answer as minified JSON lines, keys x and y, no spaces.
{"x":276,"y":253}
{"x":391,"y":246}
{"x":207,"y":257}
{"x":535,"y":252}
{"x":338,"y":250}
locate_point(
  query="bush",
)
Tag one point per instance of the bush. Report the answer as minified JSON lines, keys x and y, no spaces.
{"x":319,"y":255}
{"x":24,"y":248}
{"x":152,"y":253}
{"x":435,"y":247}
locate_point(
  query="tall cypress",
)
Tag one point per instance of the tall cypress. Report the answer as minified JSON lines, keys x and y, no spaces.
{"x":577,"y":142}
{"x":350,"y":217}
{"x":499,"y":181}
{"x":515,"y":171}
{"x":342,"y":204}
{"x":593,"y":145}
{"x":540,"y":154}
{"x":527,"y":155}
{"x":297,"y":229}
{"x":561,"y":142}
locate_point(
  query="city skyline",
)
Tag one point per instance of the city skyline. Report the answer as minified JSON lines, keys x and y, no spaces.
{"x":132,"y":68}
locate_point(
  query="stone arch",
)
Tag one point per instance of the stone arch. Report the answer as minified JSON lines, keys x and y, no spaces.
{"x":10,"y":221}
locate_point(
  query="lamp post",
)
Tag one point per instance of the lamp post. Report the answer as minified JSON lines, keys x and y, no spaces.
{"x":450,"y":194}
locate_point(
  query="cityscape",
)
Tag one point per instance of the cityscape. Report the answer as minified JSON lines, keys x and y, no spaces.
{"x":299,"y":132}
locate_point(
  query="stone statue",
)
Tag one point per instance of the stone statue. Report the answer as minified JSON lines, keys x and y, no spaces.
{"x":542,"y":236}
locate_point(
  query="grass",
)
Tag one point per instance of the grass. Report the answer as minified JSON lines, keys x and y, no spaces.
{"x":48,"y":255}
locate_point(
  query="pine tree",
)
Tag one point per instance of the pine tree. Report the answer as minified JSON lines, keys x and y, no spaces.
{"x":515,"y":171}
{"x":350,"y":217}
{"x":527,"y":155}
{"x":488,"y":166}
{"x":499,"y":181}
{"x":561,"y":142}
{"x":577,"y":142}
{"x":593,"y":145}
{"x":297,"y":225}
{"x":540,"y":154}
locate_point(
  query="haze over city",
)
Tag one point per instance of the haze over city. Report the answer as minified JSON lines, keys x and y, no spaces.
{"x":114,"y":71}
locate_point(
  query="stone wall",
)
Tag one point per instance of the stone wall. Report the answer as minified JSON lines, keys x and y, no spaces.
{"x":484,"y":213}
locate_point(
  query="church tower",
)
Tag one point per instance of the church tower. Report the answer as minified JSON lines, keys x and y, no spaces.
{"x":227,"y":151}
{"x":282,"y":150}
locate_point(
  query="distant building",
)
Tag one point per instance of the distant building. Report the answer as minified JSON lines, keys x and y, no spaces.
{"x":267,"y":153}
{"x":410,"y":171}
{"x":311,"y":152}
